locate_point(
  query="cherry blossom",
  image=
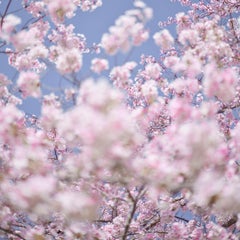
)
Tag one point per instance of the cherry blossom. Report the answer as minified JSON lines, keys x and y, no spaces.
{"x":148,"y":149}
{"x":99,"y":65}
{"x":163,"y":39}
{"x":128,"y":31}
{"x":29,"y":84}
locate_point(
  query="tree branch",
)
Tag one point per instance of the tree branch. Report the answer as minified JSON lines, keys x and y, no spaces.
{"x":5,"y":13}
{"x":134,"y":208}
{"x":230,"y":222}
{"x":8,"y":231}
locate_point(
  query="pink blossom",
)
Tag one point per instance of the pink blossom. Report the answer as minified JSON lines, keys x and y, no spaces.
{"x":25,"y":39}
{"x":152,"y":155}
{"x":139,"y":4}
{"x":188,"y":37}
{"x":139,"y":34}
{"x":35,"y":8}
{"x":38,"y":51}
{"x":150,"y":91}
{"x":68,"y":61}
{"x":153,"y":71}
{"x":180,"y":109}
{"x":183,"y":21}
{"x":88,"y":5}
{"x":186,"y":86}
{"x":127,"y":31}
{"x":220,"y":83}
{"x":164,"y":39}
{"x":51,"y":112}
{"x":120,"y":75}
{"x":34,"y":193}
{"x":76,"y":205}
{"x":29,"y":84}
{"x":4,"y":80}
{"x":99,"y":65}
{"x":109,"y":43}
{"x":11,"y":124}
{"x":59,"y":9}
{"x":9,"y":23}
{"x":171,"y":61}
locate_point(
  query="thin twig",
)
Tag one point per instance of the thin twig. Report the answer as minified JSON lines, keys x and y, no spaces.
{"x":5,"y":13}
{"x":11,"y":233}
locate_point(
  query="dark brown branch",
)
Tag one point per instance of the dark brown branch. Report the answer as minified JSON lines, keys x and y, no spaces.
{"x":153,"y":224}
{"x":8,"y":231}
{"x":134,"y":208}
{"x":223,"y":109}
{"x":233,"y":28}
{"x":230,"y":222}
{"x":182,"y":219}
{"x":102,"y":221}
{"x":5,"y":13}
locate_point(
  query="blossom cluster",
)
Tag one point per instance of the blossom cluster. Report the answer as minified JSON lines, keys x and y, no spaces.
{"x":149,"y":151}
{"x":128,"y":31}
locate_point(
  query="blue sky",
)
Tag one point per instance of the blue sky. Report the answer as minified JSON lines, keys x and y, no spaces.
{"x":93,"y":25}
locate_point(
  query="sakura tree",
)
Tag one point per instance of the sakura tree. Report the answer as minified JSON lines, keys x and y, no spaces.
{"x":149,"y":149}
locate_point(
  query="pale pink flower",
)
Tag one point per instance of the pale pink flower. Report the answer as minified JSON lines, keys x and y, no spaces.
{"x":127,"y":31}
{"x":38,"y":51}
{"x":88,"y":5}
{"x":51,"y":112}
{"x":183,"y":21}
{"x":101,"y":125}
{"x":4,"y":81}
{"x":220,"y":83}
{"x":23,"y":62}
{"x":64,"y":37}
{"x":30,"y":154}
{"x":14,"y":100}
{"x":36,"y":8}
{"x":139,"y":4}
{"x":152,"y":71}
{"x":109,"y":43}
{"x":69,"y":60}
{"x":99,"y":65}
{"x":99,"y":95}
{"x":171,"y":61}
{"x":58,"y":9}
{"x":120,"y":75}
{"x":130,"y":65}
{"x":139,"y":34}
{"x":76,"y":205}
{"x":189,"y":64}
{"x":26,"y":39}
{"x":148,"y":12}
{"x":149,"y":90}
{"x":29,"y":84}
{"x":33,"y":194}
{"x":180,"y":109}
{"x":3,"y":91}
{"x":187,"y":86}
{"x":205,"y":192}
{"x":9,"y":23}
{"x":188,"y":36}
{"x":164,"y":39}
{"x":11,"y":123}
{"x":35,"y":232}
